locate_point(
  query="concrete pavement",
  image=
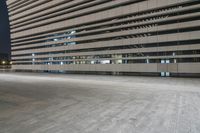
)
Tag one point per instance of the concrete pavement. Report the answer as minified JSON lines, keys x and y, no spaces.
{"x":53,"y":103}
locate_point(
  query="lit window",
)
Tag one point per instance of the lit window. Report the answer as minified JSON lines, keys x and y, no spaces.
{"x":162,"y":74}
{"x":162,"y":61}
{"x":147,"y":61}
{"x":105,"y":62}
{"x":167,"y":74}
{"x":175,"y":61}
{"x":55,"y":39}
{"x":72,"y":32}
{"x":92,"y":62}
{"x":167,"y":61}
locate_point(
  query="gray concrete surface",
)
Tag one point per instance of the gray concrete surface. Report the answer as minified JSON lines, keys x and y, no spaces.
{"x":52,"y":103}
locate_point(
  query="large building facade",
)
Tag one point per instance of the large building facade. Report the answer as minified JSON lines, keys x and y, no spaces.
{"x":159,"y":37}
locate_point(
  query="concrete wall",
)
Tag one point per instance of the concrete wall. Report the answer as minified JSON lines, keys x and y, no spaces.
{"x":153,"y":30}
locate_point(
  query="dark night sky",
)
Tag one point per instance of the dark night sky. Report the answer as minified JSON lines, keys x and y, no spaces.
{"x":4,"y":29}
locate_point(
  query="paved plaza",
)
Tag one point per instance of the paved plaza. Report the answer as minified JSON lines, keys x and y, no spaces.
{"x":58,"y":103}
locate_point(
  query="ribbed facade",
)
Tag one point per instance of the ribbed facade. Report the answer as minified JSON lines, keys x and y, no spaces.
{"x":114,"y":36}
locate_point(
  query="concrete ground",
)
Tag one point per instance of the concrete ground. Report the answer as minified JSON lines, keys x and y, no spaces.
{"x":53,"y":103}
